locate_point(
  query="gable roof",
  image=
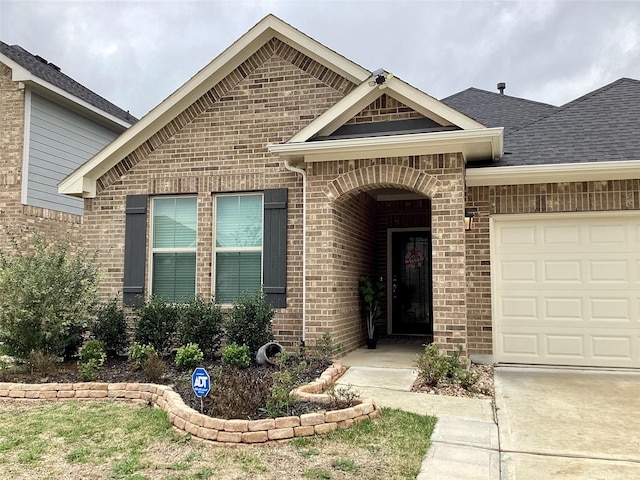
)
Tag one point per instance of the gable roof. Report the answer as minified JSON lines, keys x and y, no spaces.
{"x":29,"y":68}
{"x":497,"y":110}
{"x":82,"y":182}
{"x":601,"y":126}
{"x":460,"y":133}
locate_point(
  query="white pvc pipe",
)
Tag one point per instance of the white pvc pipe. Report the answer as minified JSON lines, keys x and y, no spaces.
{"x":291,"y":168}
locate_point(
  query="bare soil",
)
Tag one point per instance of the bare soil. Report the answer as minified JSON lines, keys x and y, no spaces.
{"x":483,"y":388}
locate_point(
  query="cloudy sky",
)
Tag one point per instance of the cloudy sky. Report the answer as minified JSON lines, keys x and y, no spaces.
{"x":136,"y":53}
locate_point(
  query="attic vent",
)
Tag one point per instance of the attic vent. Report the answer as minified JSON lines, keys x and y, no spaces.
{"x":39,"y":58}
{"x":501,"y":87}
{"x":55,"y":67}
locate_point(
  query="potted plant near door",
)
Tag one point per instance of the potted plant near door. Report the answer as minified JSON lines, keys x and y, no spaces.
{"x":371,"y":295}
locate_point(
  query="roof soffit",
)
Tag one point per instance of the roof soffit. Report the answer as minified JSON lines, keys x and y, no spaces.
{"x":82,"y":182}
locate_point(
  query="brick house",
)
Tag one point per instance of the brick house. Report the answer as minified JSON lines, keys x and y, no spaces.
{"x":282,"y":160}
{"x":49,"y":126}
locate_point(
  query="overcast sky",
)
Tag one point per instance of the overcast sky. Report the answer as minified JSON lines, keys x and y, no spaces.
{"x":136,"y":53}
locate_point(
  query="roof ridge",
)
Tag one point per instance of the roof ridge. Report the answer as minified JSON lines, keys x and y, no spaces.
{"x":576,"y":101}
{"x":500,"y":95}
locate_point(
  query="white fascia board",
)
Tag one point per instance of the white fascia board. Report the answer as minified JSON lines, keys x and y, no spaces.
{"x":557,"y":173}
{"x":21,"y":74}
{"x":198,"y":85}
{"x":474,"y":144}
{"x":364,"y":94}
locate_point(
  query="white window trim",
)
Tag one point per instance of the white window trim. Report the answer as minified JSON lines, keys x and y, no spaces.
{"x":215,"y":249}
{"x":153,"y":249}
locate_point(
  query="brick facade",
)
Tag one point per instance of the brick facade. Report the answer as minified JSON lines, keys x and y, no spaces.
{"x":18,"y":221}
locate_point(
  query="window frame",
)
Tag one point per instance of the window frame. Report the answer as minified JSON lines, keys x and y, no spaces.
{"x":153,"y":250}
{"x":215,"y":249}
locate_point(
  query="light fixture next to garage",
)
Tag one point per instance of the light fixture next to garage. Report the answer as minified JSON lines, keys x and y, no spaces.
{"x":380,"y":79}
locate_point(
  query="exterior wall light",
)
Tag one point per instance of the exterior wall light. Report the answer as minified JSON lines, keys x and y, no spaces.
{"x":468,"y":220}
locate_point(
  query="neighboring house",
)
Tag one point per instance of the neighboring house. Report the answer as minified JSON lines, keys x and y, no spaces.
{"x":49,"y":126}
{"x":282,"y":160}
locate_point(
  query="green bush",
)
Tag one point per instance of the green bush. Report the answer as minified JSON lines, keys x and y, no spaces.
{"x":200,"y":322}
{"x":139,"y":354}
{"x":157,"y":324}
{"x":250,"y":322}
{"x":189,"y":356}
{"x":434,"y":367}
{"x":236,"y":356}
{"x":110,"y":327}
{"x":46,"y":298}
{"x":92,"y":358}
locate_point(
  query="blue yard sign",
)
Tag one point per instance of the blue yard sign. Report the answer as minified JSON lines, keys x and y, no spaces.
{"x":200,"y":382}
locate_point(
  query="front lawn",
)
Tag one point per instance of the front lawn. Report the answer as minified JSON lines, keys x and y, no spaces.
{"x":87,"y":440}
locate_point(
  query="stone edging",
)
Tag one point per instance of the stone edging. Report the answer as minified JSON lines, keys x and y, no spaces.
{"x":202,"y":426}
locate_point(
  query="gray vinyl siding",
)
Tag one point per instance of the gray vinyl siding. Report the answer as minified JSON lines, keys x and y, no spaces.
{"x":59,"y":142}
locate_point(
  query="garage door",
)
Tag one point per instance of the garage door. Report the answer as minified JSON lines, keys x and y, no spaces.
{"x":566,"y":289}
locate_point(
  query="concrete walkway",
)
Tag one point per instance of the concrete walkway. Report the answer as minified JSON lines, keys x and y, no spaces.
{"x":465,"y":440}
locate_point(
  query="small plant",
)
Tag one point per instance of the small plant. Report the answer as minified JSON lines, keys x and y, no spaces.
{"x":139,"y":354}
{"x":236,"y":393}
{"x":42,"y":363}
{"x":325,"y":350}
{"x":92,"y":358}
{"x":189,"y":356}
{"x":200,"y":322}
{"x":250,"y":322}
{"x":434,"y":367}
{"x":342,"y":396}
{"x":236,"y":356}
{"x":154,"y":367}
{"x":285,"y":378}
{"x":371,"y":295}
{"x":157,"y":324}
{"x":110,"y":327}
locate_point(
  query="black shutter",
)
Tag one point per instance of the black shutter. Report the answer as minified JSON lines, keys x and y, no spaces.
{"x":274,"y":255}
{"x":135,"y":248}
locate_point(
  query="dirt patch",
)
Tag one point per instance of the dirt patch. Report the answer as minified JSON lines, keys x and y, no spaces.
{"x":483,"y":388}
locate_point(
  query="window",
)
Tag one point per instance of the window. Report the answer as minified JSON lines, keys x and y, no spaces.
{"x":174,"y":248}
{"x":238,"y":246}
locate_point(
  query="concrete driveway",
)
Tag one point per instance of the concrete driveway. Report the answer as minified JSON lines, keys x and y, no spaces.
{"x":568,"y":423}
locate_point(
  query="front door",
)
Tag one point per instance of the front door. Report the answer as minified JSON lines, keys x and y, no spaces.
{"x":410,"y":283}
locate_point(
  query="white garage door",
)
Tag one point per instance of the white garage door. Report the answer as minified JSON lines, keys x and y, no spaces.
{"x":566,"y":289}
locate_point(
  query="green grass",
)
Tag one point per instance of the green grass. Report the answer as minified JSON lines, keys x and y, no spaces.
{"x":115,"y":441}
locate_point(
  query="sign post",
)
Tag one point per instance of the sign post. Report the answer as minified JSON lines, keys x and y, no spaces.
{"x":201,"y":384}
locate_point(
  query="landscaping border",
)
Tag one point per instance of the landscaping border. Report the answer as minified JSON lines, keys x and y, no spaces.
{"x":208,"y":428}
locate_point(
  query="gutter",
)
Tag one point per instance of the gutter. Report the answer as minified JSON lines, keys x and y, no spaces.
{"x":302,"y":172}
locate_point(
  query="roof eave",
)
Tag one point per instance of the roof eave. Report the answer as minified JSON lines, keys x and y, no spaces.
{"x":22,"y":75}
{"x":553,"y":173}
{"x":480,"y":144}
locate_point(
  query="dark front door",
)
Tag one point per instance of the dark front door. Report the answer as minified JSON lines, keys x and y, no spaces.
{"x":411,"y":308}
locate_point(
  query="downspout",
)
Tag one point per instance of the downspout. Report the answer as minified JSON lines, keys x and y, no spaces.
{"x":302,"y":172}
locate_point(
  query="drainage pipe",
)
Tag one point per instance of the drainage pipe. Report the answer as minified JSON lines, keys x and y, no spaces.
{"x":302,"y":172}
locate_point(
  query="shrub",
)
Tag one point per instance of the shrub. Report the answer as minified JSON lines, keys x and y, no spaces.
{"x":156,"y":324}
{"x":325,"y":350}
{"x":46,"y":298}
{"x":92,"y":358}
{"x":434,"y":367}
{"x":139,"y":354}
{"x":237,"y":393}
{"x":110,"y":327}
{"x":41,"y":362}
{"x":285,"y":379}
{"x":342,"y":396}
{"x":200,"y":322}
{"x":189,"y":356}
{"x":153,"y":367}
{"x":250,"y":322}
{"x":236,"y":356}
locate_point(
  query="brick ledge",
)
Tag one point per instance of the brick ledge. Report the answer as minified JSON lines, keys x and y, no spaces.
{"x":208,"y":428}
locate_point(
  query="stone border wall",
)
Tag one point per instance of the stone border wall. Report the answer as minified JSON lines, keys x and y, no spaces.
{"x":202,"y":426}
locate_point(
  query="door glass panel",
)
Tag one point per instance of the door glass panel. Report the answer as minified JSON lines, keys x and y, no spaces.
{"x":411,"y":283}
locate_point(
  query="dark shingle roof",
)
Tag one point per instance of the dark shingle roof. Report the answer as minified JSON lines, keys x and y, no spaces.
{"x":597,"y":127}
{"x":496,"y":110}
{"x":52,"y":74}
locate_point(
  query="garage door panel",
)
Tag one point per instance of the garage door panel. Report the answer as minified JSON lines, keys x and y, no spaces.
{"x":572,"y":297}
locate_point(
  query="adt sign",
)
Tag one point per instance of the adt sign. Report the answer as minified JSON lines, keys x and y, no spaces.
{"x":200,"y":382}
